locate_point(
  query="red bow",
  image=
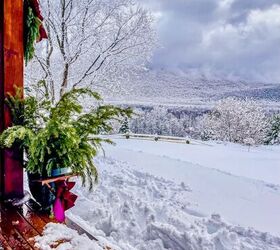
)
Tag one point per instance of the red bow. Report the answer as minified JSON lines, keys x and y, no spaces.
{"x":63,"y":193}
{"x":34,"y":4}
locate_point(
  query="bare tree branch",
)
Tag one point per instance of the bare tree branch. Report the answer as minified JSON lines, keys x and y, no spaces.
{"x":91,"y":41}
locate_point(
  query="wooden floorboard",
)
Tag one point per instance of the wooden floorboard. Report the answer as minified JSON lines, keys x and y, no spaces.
{"x":19,"y":225}
{"x":35,"y":208}
{"x":32,"y":218}
{"x":71,"y":224}
{"x":4,"y":243}
{"x":11,"y":236}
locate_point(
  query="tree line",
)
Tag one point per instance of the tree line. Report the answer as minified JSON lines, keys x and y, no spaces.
{"x":232,"y":119}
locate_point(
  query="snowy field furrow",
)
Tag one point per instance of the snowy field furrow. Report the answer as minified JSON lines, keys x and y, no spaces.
{"x":260,"y":163}
{"x":157,"y":195}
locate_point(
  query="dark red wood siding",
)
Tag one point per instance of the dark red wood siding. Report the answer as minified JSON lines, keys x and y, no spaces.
{"x":11,"y":73}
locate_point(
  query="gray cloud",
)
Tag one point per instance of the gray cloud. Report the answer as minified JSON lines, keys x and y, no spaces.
{"x":225,"y":38}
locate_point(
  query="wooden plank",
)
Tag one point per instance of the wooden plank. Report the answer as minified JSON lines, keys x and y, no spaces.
{"x":11,"y":235}
{"x":36,"y":208}
{"x":20,"y":225}
{"x":32,"y":218}
{"x":68,"y":222}
{"x":13,"y":47}
{"x":4,"y":243}
{"x":1,"y":92}
{"x":13,"y":238}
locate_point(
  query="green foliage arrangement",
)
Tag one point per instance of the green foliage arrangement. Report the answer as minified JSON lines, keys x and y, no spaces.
{"x":62,"y":134}
{"x":32,"y":33}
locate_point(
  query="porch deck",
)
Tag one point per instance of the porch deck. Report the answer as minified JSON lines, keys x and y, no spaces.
{"x":19,"y":225}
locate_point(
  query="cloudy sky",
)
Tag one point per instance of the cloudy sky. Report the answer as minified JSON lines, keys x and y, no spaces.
{"x":225,"y":38}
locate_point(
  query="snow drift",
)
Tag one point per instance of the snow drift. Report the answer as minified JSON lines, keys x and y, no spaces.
{"x":136,"y":210}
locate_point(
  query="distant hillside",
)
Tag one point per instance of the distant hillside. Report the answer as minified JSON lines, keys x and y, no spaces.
{"x":171,"y":89}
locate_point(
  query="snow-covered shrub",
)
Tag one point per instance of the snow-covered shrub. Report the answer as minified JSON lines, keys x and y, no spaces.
{"x":235,"y":120}
{"x":249,"y":142}
{"x":274,"y":130}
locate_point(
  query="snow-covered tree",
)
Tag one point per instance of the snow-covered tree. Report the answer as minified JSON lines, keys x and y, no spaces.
{"x":274,"y":130}
{"x":124,"y":126}
{"x":91,"y":43}
{"x":158,"y":121}
{"x":235,"y":120}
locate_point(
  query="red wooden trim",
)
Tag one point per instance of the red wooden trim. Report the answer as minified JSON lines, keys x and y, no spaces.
{"x":1,"y":91}
{"x":11,"y":47}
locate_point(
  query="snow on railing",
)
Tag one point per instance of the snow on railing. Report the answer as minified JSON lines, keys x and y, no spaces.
{"x":164,"y":138}
{"x":157,"y":137}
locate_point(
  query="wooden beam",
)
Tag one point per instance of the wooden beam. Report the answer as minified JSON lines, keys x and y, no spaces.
{"x":1,"y":92}
{"x":11,"y":74}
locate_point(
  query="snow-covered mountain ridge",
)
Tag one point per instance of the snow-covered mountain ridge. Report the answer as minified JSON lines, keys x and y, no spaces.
{"x":172,"y":88}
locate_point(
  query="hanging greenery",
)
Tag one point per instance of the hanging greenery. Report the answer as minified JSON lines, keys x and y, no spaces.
{"x":33,"y":24}
{"x":33,"y":28}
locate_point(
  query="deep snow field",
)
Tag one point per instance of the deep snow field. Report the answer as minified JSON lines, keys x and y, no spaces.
{"x":162,"y":195}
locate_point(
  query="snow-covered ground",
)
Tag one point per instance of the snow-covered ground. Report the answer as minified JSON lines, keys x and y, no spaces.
{"x":60,"y":237}
{"x":260,"y":163}
{"x":162,"y":195}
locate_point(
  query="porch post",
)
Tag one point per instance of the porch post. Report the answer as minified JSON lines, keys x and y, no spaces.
{"x":11,"y":74}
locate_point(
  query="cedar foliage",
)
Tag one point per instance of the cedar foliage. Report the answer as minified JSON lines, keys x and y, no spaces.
{"x":32,"y":33}
{"x":62,"y":134}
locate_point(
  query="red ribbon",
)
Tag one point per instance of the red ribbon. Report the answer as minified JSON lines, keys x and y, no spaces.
{"x":63,"y":193}
{"x":34,"y":4}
